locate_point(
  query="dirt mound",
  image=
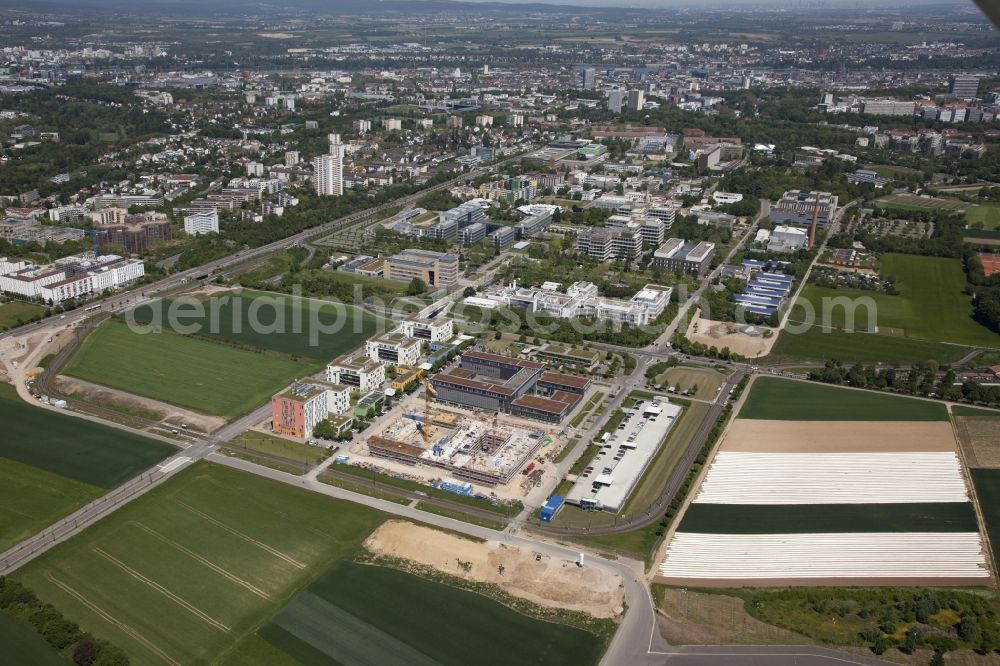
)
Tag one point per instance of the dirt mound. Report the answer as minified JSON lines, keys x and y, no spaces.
{"x":541,"y":579}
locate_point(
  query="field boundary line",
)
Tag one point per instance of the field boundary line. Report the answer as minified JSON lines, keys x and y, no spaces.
{"x":202,"y":560}
{"x":107,"y":617}
{"x":162,"y":590}
{"x":249,"y":539}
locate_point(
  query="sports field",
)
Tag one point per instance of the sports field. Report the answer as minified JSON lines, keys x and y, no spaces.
{"x":914,"y":202}
{"x":931,"y":306}
{"x":183,"y":370}
{"x":15,"y":313}
{"x":316,"y":330}
{"x":52,"y":464}
{"x":787,"y":400}
{"x":987,"y":214}
{"x":184,"y":573}
{"x":358,"y":614}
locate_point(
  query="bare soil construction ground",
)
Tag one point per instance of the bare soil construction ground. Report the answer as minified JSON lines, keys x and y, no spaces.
{"x":980,"y":440}
{"x":726,"y":334}
{"x":761,"y":436}
{"x":134,"y":404}
{"x":546,"y":581}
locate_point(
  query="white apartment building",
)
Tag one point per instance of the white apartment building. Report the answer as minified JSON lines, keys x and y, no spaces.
{"x":328,"y":172}
{"x":358,"y":372}
{"x":71,"y":277}
{"x":394,"y":349}
{"x":201,"y":222}
{"x":255,"y":170}
{"x":432,"y":330}
{"x":362,"y":126}
{"x":292,"y":157}
{"x":484,"y":121}
{"x":391,"y":124}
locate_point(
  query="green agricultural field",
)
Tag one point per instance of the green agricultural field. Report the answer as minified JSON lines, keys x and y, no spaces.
{"x":387,"y":617}
{"x":185,"y":573}
{"x":987,"y":485}
{"x":21,"y":645}
{"x":825,"y":345}
{"x":300,"y":327}
{"x":51,"y":464}
{"x":789,"y":400}
{"x":986,"y":214}
{"x":812,"y":518}
{"x":962,"y":410}
{"x":182,"y":370}
{"x":707,"y":381}
{"x":931,"y":305}
{"x":15,"y":313}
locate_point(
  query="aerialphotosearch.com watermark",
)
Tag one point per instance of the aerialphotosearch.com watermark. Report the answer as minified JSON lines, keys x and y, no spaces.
{"x":315,"y":319}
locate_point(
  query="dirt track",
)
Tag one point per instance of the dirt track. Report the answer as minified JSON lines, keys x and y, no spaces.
{"x":548,"y":582}
{"x":759,"y":436}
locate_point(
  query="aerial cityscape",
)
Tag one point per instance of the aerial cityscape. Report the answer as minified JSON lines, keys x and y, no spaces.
{"x":444,"y":332}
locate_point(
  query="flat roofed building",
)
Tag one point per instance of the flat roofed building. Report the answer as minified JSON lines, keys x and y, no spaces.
{"x":297,"y":410}
{"x":798,"y":207}
{"x":436,"y":269}
{"x":432,"y":330}
{"x":687,"y":256}
{"x":394,"y":348}
{"x":357,"y":371}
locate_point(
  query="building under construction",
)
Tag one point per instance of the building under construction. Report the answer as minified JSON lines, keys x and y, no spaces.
{"x":487,"y":452}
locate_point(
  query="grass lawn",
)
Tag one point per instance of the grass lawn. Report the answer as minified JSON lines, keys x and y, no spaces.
{"x":184,"y":573}
{"x":825,"y":345}
{"x":987,"y":214}
{"x":301,"y":327}
{"x":182,"y":370}
{"x":413,"y":486}
{"x":251,"y":440}
{"x":987,"y":485}
{"x":931,"y":305}
{"x":15,"y":313}
{"x":22,"y":645}
{"x":788,"y":400}
{"x":388,"y":617}
{"x":448,"y":512}
{"x":822,"y":518}
{"x":707,"y":381}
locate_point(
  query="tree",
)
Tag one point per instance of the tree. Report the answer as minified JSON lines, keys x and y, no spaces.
{"x":937,"y":659}
{"x":416,"y":287}
{"x":84,"y":654}
{"x":468,"y":291}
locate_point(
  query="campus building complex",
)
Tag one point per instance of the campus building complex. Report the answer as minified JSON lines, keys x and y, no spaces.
{"x":690,"y":257}
{"x":436,"y":269}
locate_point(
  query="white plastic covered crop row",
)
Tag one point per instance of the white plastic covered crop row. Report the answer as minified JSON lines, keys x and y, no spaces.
{"x":833,"y":478}
{"x":869,"y":555}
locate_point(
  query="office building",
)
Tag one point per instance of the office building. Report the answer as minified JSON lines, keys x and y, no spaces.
{"x":71,"y":277}
{"x":431,"y":330}
{"x":888,"y":107}
{"x":690,"y":257}
{"x":589,"y":78}
{"x":616,"y":100}
{"x":201,"y":222}
{"x":797,"y":207}
{"x":636,"y":99}
{"x":963,"y":86}
{"x":137,"y":234}
{"x":436,"y":269}
{"x":605,"y":244}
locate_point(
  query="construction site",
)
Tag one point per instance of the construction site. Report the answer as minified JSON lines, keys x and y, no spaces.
{"x":486,"y":451}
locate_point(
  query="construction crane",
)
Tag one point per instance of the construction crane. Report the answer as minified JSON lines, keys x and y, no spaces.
{"x":429,"y":393}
